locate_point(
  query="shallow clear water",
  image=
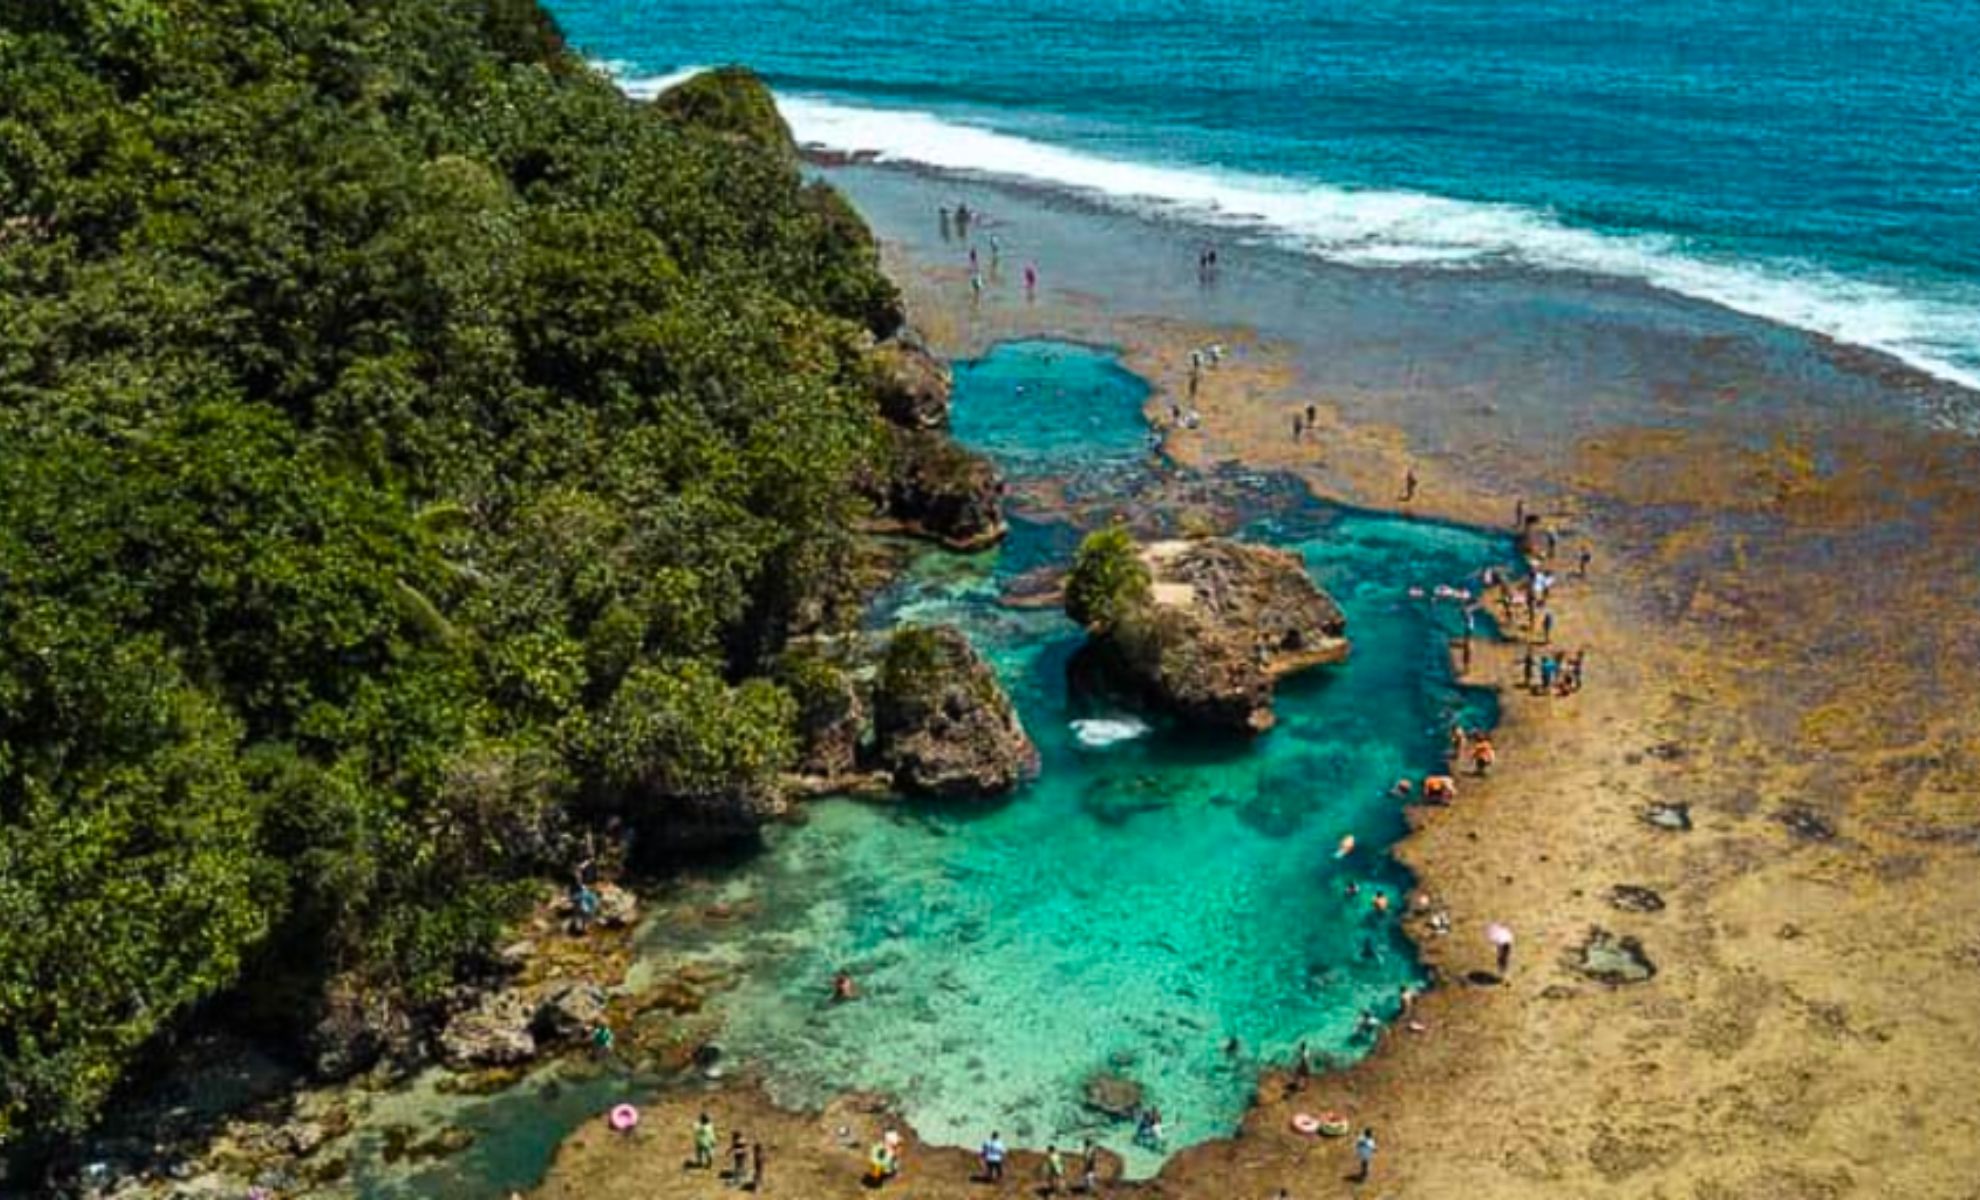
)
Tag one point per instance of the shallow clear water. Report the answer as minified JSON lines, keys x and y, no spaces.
{"x":1144,"y":901}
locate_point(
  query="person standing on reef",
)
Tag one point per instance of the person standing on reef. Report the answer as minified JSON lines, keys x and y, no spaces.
{"x":1581,"y":562}
{"x":1364,"y":1153}
{"x":1505,"y":946}
{"x":1302,"y":1066}
{"x":972,"y":258}
{"x":1312,"y":416}
{"x":1089,"y":1169}
{"x":1409,"y":485}
{"x":704,"y":1144}
{"x":946,"y":234}
{"x":1547,"y":626}
{"x":1055,"y":1171}
{"x":738,"y":1160}
{"x":1030,"y":280}
{"x":976,"y":287}
{"x":993,"y":1155}
{"x":1519,"y":513}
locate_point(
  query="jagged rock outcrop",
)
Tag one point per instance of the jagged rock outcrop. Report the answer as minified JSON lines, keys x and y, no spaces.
{"x":496,"y":1032}
{"x":568,"y":1011}
{"x":939,"y":490}
{"x":354,"y":1028}
{"x":832,"y":713}
{"x":1208,"y":629}
{"x":911,"y":385}
{"x":942,"y":724}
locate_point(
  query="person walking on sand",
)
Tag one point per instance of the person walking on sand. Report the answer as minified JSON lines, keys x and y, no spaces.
{"x":1364,"y":1154}
{"x":756,"y":1166}
{"x":1089,"y":1169}
{"x":1504,"y":947}
{"x":704,"y":1144}
{"x":1581,"y":563}
{"x":1547,"y":627}
{"x":993,"y":1154}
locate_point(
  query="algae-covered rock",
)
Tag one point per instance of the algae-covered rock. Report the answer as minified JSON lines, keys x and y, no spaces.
{"x":1116,"y":1096}
{"x":1201,"y":628}
{"x":943,"y":725}
{"x":936,"y":488}
{"x":1613,"y":959}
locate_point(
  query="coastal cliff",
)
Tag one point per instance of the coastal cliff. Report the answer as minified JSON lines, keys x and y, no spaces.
{"x":1199,"y":628}
{"x":414,"y":463}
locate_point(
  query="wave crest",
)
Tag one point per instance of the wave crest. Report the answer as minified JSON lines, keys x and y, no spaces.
{"x":1936,"y":334}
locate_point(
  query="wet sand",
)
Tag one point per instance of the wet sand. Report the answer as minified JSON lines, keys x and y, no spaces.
{"x":1780,"y":626}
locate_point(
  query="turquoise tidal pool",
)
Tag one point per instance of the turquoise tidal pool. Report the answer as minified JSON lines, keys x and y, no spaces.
{"x":1155,"y":893}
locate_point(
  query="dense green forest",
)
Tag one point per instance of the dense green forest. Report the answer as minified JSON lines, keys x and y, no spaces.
{"x":411,"y":453}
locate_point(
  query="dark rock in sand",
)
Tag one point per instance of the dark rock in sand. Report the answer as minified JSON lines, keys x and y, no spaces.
{"x":1221,"y":622}
{"x":1675,"y":817}
{"x":1806,"y":824}
{"x":942,"y":724}
{"x":1613,"y":959}
{"x":1631,"y":898}
{"x":935,"y":488}
{"x":911,"y":385}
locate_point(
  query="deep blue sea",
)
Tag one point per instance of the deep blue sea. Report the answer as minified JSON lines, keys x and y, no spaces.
{"x":1815,"y":163}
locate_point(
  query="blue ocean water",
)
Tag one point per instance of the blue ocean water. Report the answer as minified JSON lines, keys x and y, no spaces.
{"x":1816,"y":163}
{"x":1153,"y":894}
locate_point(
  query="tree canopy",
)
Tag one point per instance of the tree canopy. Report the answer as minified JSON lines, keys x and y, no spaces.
{"x":406,"y":443}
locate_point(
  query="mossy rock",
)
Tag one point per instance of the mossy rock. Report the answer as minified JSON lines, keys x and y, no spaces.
{"x":734,"y":103}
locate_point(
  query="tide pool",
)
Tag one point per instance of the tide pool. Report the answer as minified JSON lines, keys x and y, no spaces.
{"x":1154,"y":894}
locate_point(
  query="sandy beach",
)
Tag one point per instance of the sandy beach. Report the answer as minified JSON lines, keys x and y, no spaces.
{"x":1765,"y":784}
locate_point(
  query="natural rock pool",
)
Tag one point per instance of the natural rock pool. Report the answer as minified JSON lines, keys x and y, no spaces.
{"x":1151,"y":896}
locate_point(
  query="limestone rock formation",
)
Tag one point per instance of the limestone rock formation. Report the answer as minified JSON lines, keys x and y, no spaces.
{"x":911,"y":385}
{"x":493,"y":1033}
{"x":939,"y":490}
{"x":943,"y":726}
{"x":1215,"y":624}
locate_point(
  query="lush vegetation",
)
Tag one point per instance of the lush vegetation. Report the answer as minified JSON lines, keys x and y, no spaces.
{"x":410,"y":451}
{"x":1108,"y":579}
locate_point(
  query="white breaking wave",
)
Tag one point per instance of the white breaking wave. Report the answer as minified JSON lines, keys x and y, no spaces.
{"x":1097,"y":733}
{"x":646,"y":87}
{"x":1376,"y":228}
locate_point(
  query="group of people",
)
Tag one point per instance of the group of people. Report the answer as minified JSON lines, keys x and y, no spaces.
{"x":746,"y":1159}
{"x":956,"y":226}
{"x":995,"y":1155}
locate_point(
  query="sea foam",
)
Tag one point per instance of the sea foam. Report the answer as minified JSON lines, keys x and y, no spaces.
{"x":1936,"y":334}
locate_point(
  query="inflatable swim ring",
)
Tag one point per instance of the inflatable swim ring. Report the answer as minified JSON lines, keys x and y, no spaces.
{"x":1305,"y":1123}
{"x":1333,"y":1124}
